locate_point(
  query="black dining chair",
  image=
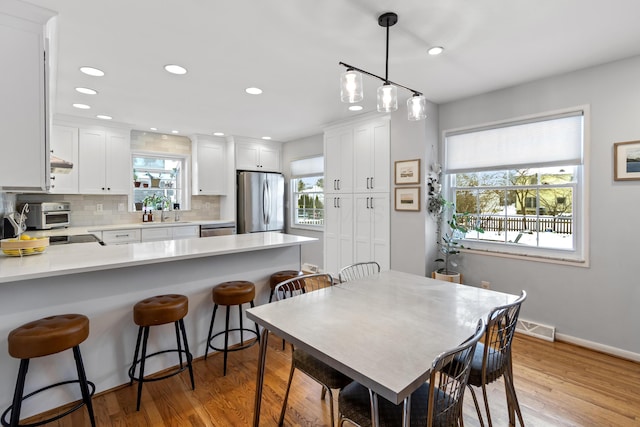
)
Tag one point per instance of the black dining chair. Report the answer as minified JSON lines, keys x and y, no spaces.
{"x":325,"y":375}
{"x":358,"y":271}
{"x":492,"y":359}
{"x":437,"y":402}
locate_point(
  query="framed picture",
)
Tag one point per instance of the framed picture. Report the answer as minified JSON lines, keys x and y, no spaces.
{"x":626,"y":161}
{"x":407,"y":172}
{"x":408,"y":199}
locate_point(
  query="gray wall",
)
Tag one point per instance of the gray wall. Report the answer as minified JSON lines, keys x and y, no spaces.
{"x":312,"y":253}
{"x":413,"y":233}
{"x":598,"y":305}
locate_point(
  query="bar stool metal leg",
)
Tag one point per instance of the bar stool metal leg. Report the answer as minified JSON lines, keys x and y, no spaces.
{"x":142,"y":359}
{"x":226,"y":341}
{"x":213,"y":317}
{"x":188,"y":353}
{"x":17,"y":396}
{"x":84,"y":387}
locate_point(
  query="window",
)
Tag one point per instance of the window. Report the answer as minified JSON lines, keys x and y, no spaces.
{"x":522,"y":183}
{"x":159,"y":181}
{"x":307,"y":190}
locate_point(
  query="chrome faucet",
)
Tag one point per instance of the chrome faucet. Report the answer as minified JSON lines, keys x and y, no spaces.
{"x":176,"y":213}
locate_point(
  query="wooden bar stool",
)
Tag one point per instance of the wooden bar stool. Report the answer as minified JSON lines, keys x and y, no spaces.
{"x":281,"y":276}
{"x":229,"y":294}
{"x":160,"y":310}
{"x":42,"y":338}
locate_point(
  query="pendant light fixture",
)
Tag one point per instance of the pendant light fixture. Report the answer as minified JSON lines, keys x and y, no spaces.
{"x":351,"y":83}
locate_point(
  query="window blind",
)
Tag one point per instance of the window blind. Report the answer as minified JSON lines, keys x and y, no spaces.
{"x":311,"y":166}
{"x":545,"y":142}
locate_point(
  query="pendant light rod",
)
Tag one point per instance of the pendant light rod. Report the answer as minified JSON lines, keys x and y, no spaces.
{"x":351,"y":67}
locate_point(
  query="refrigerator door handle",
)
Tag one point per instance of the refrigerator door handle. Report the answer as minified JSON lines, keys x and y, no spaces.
{"x":264,"y":201}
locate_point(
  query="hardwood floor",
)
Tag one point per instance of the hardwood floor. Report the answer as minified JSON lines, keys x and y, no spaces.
{"x":557,"y":384}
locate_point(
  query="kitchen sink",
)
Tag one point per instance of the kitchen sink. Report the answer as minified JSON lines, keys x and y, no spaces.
{"x":166,"y":222}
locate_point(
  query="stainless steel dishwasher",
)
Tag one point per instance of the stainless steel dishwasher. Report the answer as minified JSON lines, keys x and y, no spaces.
{"x":219,"y":229}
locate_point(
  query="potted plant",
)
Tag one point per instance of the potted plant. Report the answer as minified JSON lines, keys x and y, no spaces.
{"x":156,"y":201}
{"x":155,"y":182}
{"x":459,"y":224}
{"x":136,"y":183}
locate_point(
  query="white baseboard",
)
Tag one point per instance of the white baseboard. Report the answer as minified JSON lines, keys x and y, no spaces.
{"x":613,"y":351}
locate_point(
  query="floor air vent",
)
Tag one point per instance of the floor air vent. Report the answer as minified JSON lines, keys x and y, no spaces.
{"x":537,"y":330}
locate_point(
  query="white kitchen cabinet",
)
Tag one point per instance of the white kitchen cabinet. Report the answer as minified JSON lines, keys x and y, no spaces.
{"x":371,"y":228}
{"x":258,"y":156}
{"x":104,"y":161}
{"x":153,"y":234}
{"x":185,"y":232}
{"x":338,"y":232}
{"x":64,"y":144}
{"x":338,"y":160}
{"x":209,"y":161}
{"x":372,"y":157}
{"x":24,"y":164}
{"x":121,"y":237}
{"x":357,"y":207}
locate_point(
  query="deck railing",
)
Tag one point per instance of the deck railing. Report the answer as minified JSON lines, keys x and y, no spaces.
{"x":558,"y":224}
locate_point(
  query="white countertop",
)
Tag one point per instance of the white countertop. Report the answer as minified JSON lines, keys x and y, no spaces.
{"x":84,"y":257}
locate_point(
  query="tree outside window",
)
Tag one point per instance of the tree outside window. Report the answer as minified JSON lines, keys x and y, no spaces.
{"x":308,"y":196}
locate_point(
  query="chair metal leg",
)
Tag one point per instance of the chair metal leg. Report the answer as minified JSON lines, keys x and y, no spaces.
{"x":226,"y":342}
{"x":257,"y":330}
{"x":135,"y":355}
{"x":475,"y":402}
{"x":142,"y":359}
{"x":187,"y":353}
{"x":175,"y":324}
{"x":286,"y":394}
{"x":84,"y":387}
{"x":241,"y":327}
{"x":17,"y":396}
{"x":330,"y":404}
{"x":486,"y":405}
{"x":213,"y":317}
{"x":260,"y":377}
{"x":512,"y":399}
{"x":323,"y":393}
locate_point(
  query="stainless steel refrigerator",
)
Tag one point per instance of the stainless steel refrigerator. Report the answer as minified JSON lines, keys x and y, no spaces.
{"x":260,"y":202}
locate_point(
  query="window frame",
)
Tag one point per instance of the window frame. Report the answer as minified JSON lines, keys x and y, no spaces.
{"x":293,"y":196}
{"x":185,"y":201}
{"x":579,"y":256}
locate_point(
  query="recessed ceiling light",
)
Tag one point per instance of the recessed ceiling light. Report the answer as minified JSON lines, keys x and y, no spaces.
{"x":355,"y":108}
{"x":86,"y":91}
{"x":436,"y":50}
{"x":218,"y":134}
{"x":174,"y":131}
{"x":92,"y":71}
{"x":82,"y":106}
{"x":104,"y":117}
{"x":153,"y":128}
{"x":175,"y":69}
{"x":266,"y":137}
{"x":253,"y":91}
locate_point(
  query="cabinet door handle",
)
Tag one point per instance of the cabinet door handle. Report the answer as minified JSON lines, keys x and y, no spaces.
{"x":367,"y":183}
{"x":371,"y":182}
{"x":371,"y":202}
{"x":367,"y":201}
{"x":338,"y":202}
{"x":109,"y":188}
{"x":338,"y":184}
{"x":121,"y":235}
{"x":52,"y":177}
{"x":102,"y":188}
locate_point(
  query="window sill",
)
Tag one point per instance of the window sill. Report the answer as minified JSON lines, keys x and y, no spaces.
{"x":530,"y":257}
{"x":317,"y":228}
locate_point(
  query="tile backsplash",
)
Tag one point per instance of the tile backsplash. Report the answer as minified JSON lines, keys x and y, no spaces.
{"x":84,"y":208}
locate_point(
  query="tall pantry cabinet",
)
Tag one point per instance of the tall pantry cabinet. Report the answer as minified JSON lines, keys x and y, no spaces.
{"x":357,"y":208}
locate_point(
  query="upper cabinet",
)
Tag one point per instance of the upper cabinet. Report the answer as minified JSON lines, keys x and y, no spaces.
{"x":104,"y":161}
{"x":357,"y":157}
{"x":24,"y":164}
{"x":338,"y":160}
{"x":209,"y":161}
{"x":258,"y":156}
{"x":371,"y":161}
{"x":64,"y":144}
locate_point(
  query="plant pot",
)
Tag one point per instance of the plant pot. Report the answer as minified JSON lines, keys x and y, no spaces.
{"x":452,"y":277}
{"x":145,"y":185}
{"x":155,"y":182}
{"x":137,"y":184}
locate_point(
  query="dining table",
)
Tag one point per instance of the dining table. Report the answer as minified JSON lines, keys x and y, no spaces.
{"x":383,"y":331}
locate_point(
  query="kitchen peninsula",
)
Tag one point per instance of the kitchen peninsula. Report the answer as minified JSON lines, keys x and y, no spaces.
{"x":104,"y":282}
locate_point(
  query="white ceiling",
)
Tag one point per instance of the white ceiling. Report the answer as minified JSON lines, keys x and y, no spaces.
{"x":291,"y":49}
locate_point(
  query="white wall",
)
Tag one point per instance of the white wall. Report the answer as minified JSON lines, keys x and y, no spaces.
{"x":312,"y":253}
{"x":598,"y":304}
{"x":413,"y":233}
